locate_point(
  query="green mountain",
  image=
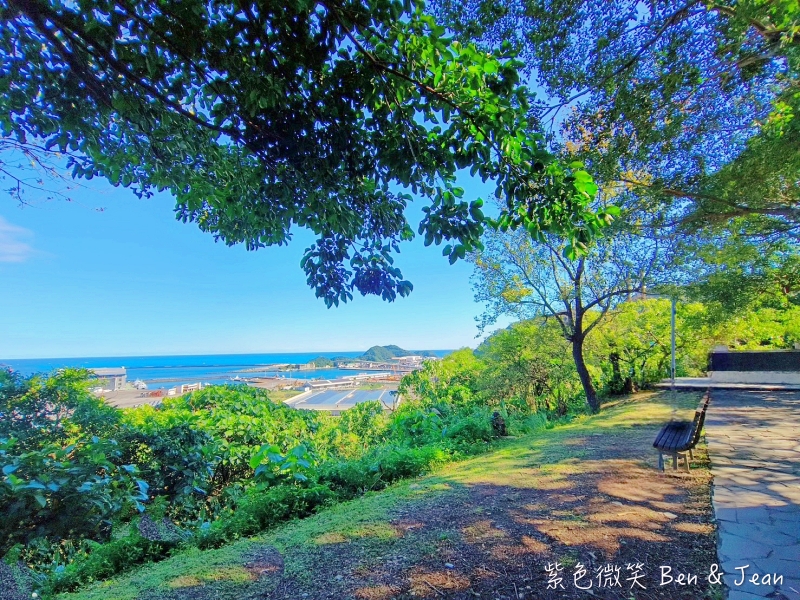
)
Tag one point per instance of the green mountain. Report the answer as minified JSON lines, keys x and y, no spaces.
{"x":322,"y":361}
{"x":386,"y":353}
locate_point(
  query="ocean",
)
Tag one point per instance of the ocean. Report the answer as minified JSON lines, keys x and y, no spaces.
{"x":168,"y":371}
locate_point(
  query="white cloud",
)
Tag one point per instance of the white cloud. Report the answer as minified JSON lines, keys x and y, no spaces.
{"x":13,"y":247}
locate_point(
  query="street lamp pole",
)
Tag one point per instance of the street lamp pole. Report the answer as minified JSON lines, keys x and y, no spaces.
{"x":674,"y":301}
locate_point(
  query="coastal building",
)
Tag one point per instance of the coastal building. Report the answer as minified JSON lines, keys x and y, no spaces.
{"x":409,"y":362}
{"x":111,"y":378}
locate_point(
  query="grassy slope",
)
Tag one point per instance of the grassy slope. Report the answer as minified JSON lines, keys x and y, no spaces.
{"x":555,"y":495}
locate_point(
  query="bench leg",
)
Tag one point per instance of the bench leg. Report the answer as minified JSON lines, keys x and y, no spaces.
{"x":686,"y":461}
{"x":675,"y":462}
{"x":691,"y":453}
{"x":660,"y":461}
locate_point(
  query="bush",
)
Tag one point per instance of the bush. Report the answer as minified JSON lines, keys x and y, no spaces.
{"x":401,"y":463}
{"x":366,"y":421}
{"x":471,"y":427}
{"x":382,"y":466}
{"x":259,"y":510}
{"x":102,"y":561}
{"x":417,"y":426}
{"x":521,"y":425}
{"x":349,"y":478}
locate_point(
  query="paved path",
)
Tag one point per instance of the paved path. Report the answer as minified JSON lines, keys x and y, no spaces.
{"x":704,"y":383}
{"x":754,"y":444}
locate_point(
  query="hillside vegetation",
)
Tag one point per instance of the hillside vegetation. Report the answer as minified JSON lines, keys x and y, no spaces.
{"x":582,"y":493}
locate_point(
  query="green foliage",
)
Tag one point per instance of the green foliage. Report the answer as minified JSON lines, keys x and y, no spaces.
{"x":272,"y":468}
{"x":326,"y":116}
{"x":260,"y":509}
{"x":733,"y":274}
{"x":530,"y":368}
{"x":60,"y":482}
{"x":633,"y":346}
{"x":417,"y":424}
{"x":658,"y":110}
{"x":42,"y":410}
{"x":468,"y":430}
{"x":379,"y":468}
{"x":451,"y":381}
{"x":101,"y":561}
{"x":322,"y":362}
{"x":763,"y":328}
{"x":366,"y":422}
{"x":632,"y":349}
{"x":386,"y":353}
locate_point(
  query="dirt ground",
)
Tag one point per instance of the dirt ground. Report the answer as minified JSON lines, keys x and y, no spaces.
{"x":609,"y":517}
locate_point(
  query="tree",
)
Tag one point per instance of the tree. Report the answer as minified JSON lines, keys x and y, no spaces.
{"x":453,"y":380}
{"x":732,"y":273}
{"x":530,"y":362}
{"x":521,"y":278}
{"x":62,"y":478}
{"x":632,"y":346}
{"x":32,"y":172}
{"x":259,"y":117}
{"x":693,"y":103}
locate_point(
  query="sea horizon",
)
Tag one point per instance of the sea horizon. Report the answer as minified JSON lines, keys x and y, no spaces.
{"x":165,"y":370}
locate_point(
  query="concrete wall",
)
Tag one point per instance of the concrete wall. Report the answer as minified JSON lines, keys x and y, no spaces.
{"x":767,"y":377}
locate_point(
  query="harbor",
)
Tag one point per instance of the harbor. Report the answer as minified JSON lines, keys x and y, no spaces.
{"x":330,"y":395}
{"x":315,"y":381}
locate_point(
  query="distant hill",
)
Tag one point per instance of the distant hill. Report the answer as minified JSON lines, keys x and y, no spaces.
{"x":322,"y":361}
{"x":386,"y":353}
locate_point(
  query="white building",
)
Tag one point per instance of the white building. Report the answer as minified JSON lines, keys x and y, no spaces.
{"x":111,"y":378}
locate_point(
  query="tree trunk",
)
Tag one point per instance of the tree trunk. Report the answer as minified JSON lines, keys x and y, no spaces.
{"x":586,"y":380}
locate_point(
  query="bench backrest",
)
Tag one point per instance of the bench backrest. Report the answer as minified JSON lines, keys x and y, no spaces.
{"x":698,"y":427}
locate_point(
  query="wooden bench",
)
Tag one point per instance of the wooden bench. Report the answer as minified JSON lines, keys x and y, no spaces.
{"x":678,"y":438}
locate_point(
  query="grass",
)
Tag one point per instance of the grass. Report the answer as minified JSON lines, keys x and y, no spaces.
{"x":555,"y":494}
{"x":282,"y":395}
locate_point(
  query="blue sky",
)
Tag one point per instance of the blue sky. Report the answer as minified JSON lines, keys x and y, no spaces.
{"x":131,"y":280}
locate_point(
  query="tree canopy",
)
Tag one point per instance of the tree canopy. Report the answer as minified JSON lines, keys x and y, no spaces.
{"x":327,"y":115}
{"x":691,"y":103}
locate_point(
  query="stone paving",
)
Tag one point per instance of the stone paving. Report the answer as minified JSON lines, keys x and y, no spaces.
{"x":754,"y":444}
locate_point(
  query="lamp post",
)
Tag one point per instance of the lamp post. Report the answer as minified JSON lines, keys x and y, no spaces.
{"x":672,"y":323}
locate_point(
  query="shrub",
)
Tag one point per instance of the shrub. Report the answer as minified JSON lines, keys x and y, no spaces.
{"x":415,"y":425}
{"x":394,"y":463}
{"x":257,"y":510}
{"x":471,"y":427}
{"x":521,"y":425}
{"x":102,"y":561}
{"x":379,"y":468}
{"x":366,"y":421}
{"x":349,"y":478}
